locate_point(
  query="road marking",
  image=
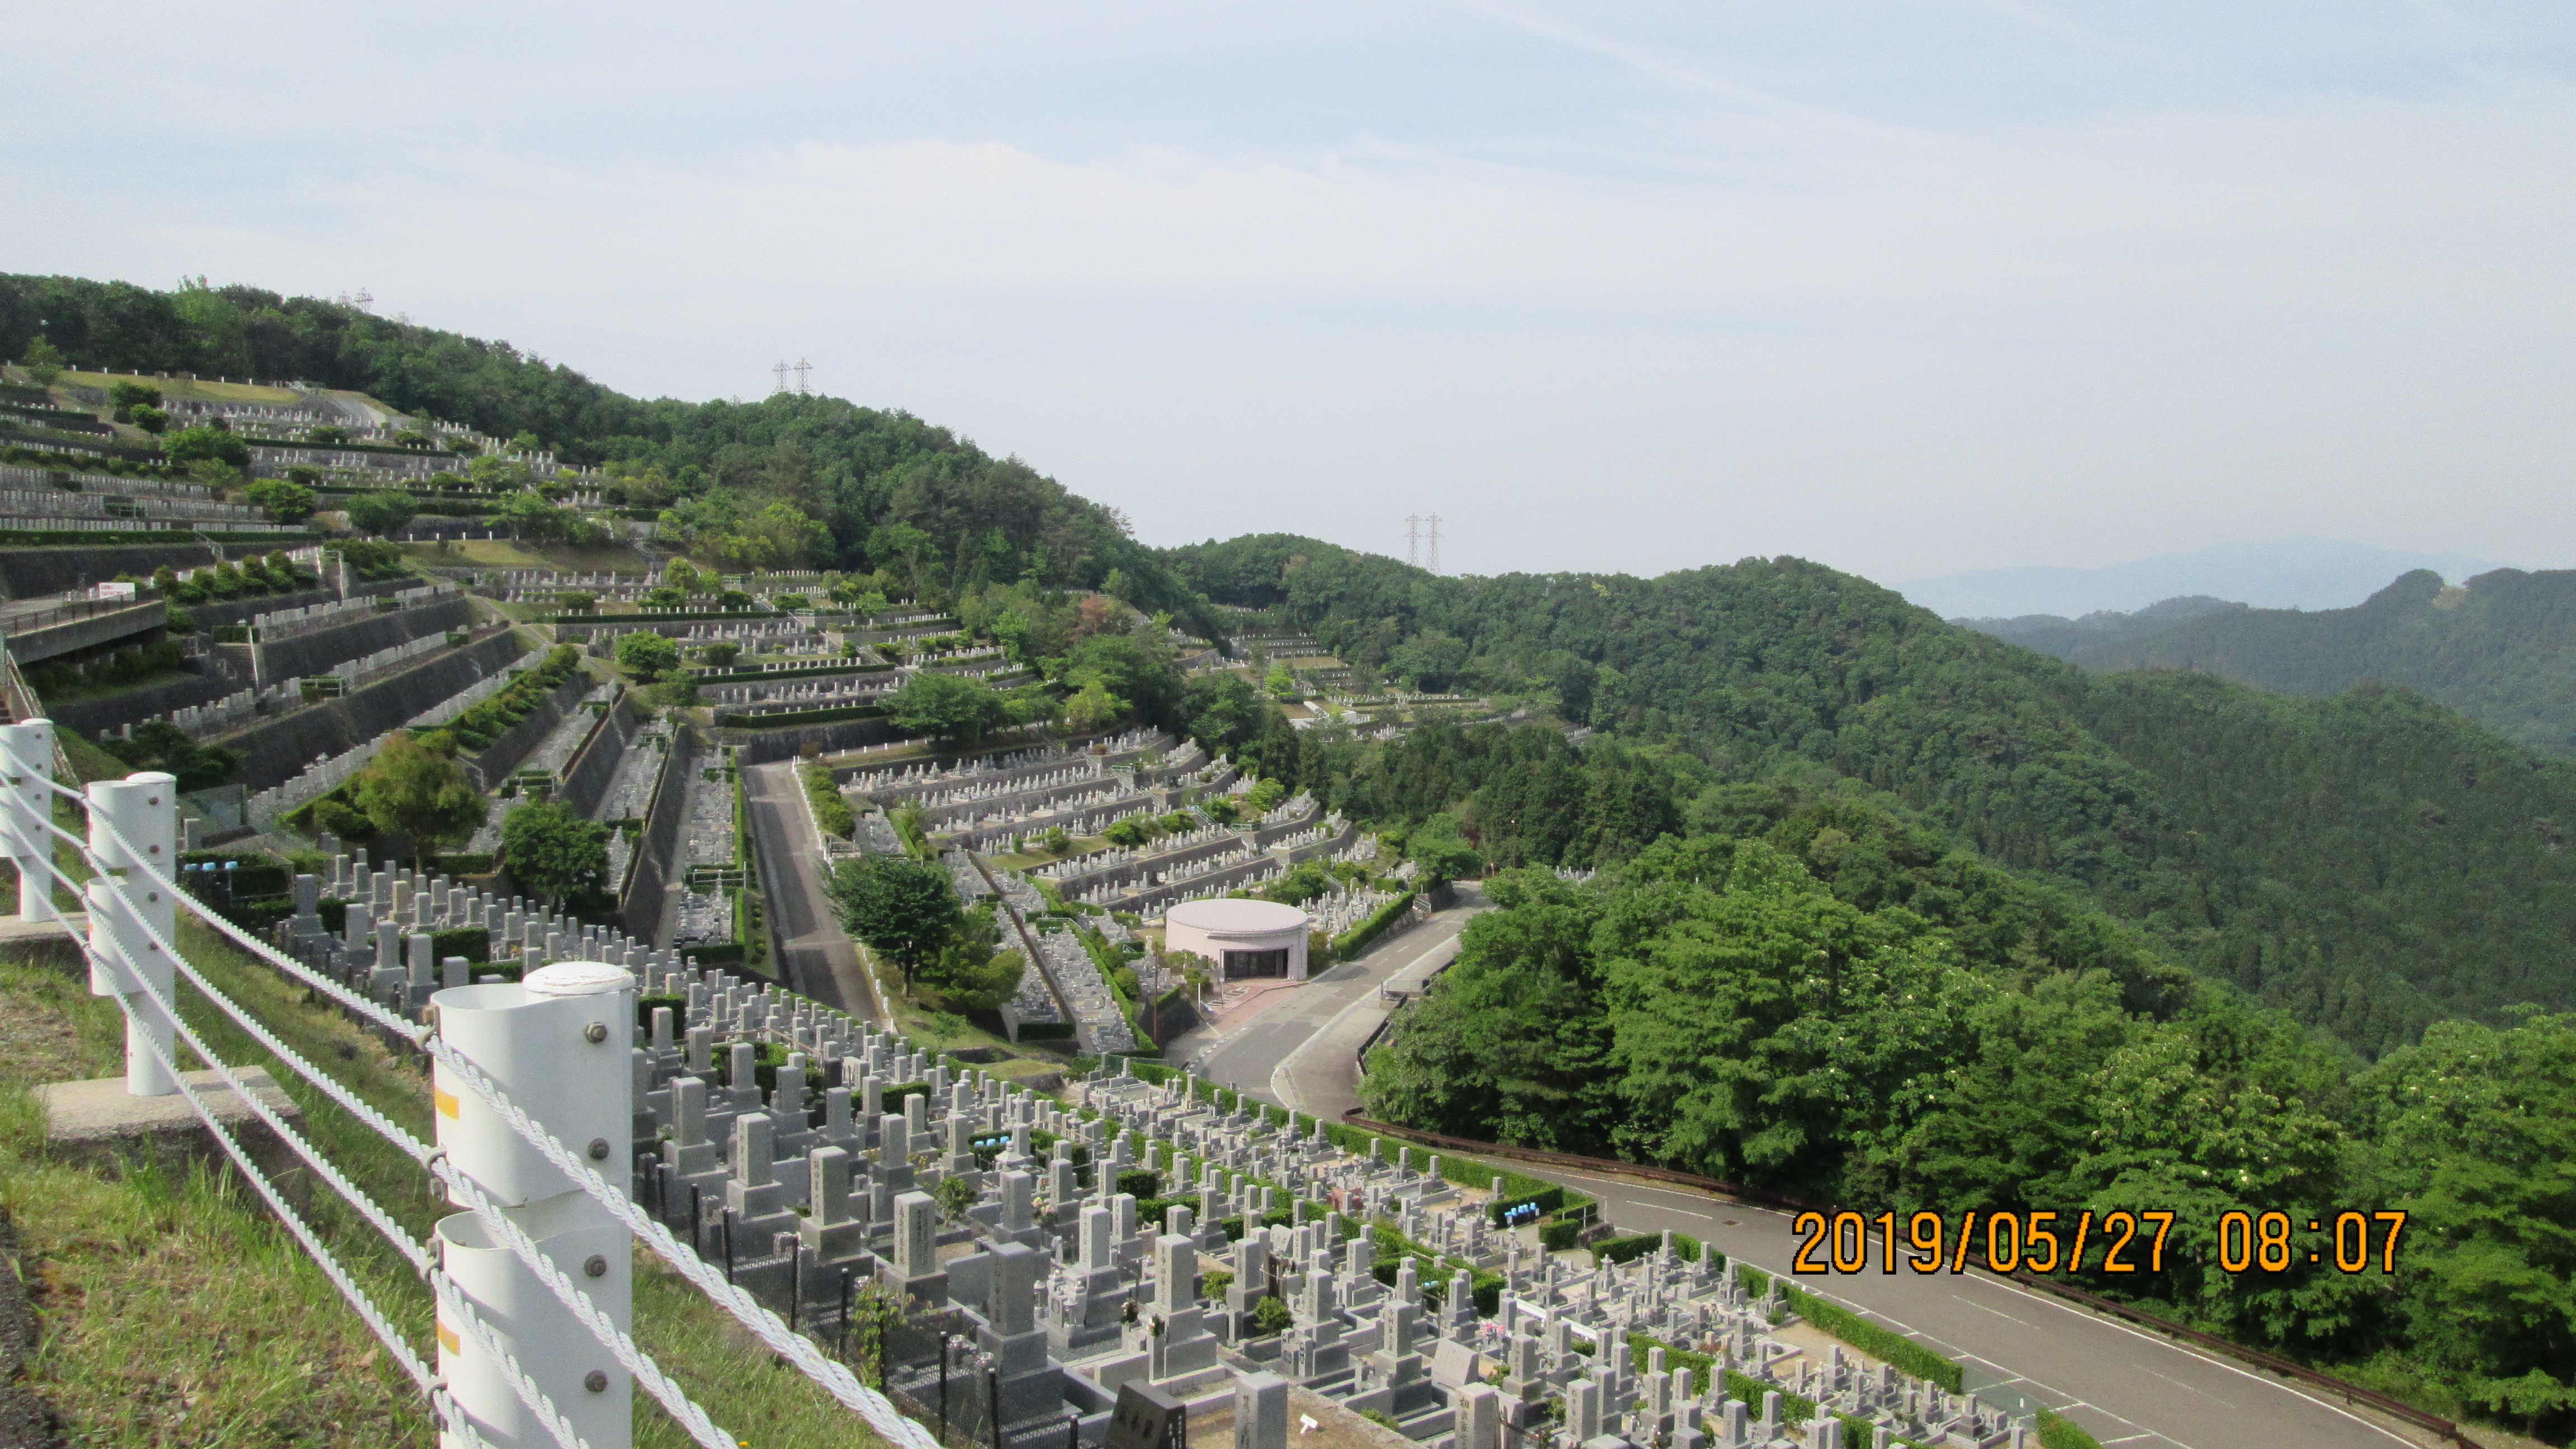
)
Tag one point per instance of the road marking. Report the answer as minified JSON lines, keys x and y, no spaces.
{"x":2209,"y":1359}
{"x":1997,"y":1312}
{"x":2187,"y":1388}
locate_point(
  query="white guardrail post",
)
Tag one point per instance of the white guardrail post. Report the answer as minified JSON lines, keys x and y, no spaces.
{"x":143,"y":808}
{"x":30,"y":806}
{"x":557,"y":1045}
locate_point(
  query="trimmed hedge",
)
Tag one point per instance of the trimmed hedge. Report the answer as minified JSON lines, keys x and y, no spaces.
{"x":721,"y":953}
{"x":1358,"y":937}
{"x":471,"y":942}
{"x":1547,"y":1200}
{"x":1877,"y":1342}
{"x":2057,"y":1433}
{"x":474,"y":863}
{"x":830,"y":810}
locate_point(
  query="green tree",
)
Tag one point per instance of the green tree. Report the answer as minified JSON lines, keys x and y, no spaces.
{"x":1279,"y":683}
{"x":286,"y":502}
{"x":43,"y":362}
{"x":150,"y":419}
{"x":532,"y":517}
{"x":721,"y":654}
{"x":382,"y":512}
{"x":552,"y":851}
{"x":206,"y":444}
{"x":576,"y":601}
{"x":1439,"y":847}
{"x":1093,"y":707}
{"x":2475,"y":1135}
{"x":945,"y":707}
{"x":418,"y":791}
{"x":902,"y":908}
{"x":161,"y":745}
{"x":1222,"y":710}
{"x":647,"y":657}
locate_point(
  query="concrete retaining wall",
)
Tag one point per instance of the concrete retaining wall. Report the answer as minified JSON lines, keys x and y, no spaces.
{"x":759,"y":747}
{"x":276,"y":750}
{"x":138,"y":624}
{"x":249,"y":606}
{"x":28,"y":572}
{"x":106,"y":713}
{"x":494,"y":762}
{"x":648,"y":871}
{"x":317,"y":651}
{"x":594,"y":767}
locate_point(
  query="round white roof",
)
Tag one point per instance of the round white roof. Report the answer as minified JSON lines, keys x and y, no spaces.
{"x":1223,"y":917}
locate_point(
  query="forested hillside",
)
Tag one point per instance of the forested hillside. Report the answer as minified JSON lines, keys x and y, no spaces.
{"x":2060,"y":637}
{"x":1816,"y":994}
{"x":789,"y":482}
{"x":2371,"y":862}
{"x":2500,"y":649}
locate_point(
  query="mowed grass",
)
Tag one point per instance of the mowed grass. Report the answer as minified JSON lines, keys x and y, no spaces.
{"x":180,"y":389}
{"x":177,"y":1313}
{"x":521,"y":554}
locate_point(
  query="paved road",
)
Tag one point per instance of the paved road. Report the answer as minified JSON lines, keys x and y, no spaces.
{"x":815,"y":956}
{"x":1298,"y":1052}
{"x":2131,"y":1389}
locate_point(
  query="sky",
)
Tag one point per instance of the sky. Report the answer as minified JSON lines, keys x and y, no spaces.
{"x":1907,"y":288}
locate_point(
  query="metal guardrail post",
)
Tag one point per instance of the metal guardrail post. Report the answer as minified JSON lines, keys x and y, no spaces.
{"x":143,"y":808}
{"x":556,"y":1044}
{"x":29,"y":805}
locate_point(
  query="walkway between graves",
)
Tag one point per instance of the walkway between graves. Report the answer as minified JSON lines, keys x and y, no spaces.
{"x":815,"y":956}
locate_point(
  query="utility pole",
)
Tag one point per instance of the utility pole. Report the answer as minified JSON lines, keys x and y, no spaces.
{"x":1413,"y":539}
{"x":1434,"y":521}
{"x":804,"y":379}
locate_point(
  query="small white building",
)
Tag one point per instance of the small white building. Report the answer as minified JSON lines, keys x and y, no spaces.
{"x":1244,"y":938}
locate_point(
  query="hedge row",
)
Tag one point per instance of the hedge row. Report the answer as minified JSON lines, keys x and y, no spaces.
{"x":830,"y":811}
{"x":487,"y":721}
{"x":1358,"y":937}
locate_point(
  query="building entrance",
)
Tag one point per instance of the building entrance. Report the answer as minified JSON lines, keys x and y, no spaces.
{"x":1240,"y":964}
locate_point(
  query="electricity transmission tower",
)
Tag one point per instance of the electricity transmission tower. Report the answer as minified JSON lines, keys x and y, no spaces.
{"x":1434,"y":521}
{"x":779,"y":371}
{"x":804,"y":377}
{"x":1413,"y":539}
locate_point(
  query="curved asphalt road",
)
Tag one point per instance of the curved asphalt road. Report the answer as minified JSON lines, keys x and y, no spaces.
{"x":2130,"y":1388}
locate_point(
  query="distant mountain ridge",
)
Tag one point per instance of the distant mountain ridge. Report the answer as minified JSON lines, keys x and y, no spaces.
{"x":2290,"y":573}
{"x":2500,"y":649}
{"x":2060,"y":637}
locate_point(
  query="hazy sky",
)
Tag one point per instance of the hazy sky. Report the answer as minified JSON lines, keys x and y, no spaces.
{"x":1906,"y":287}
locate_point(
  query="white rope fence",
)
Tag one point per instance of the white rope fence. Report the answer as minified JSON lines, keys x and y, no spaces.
{"x":122,"y":929}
